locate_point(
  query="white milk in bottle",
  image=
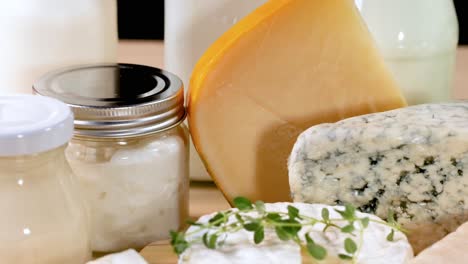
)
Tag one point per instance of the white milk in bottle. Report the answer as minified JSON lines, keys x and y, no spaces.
{"x":39,"y":36}
{"x":418,"y":40}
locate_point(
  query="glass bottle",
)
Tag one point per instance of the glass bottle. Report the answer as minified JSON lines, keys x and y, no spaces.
{"x":39,"y":36}
{"x":418,"y":40}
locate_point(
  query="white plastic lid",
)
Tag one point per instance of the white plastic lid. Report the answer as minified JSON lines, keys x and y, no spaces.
{"x":32,"y":124}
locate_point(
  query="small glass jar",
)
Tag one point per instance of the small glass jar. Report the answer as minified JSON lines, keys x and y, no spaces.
{"x":129,"y":151}
{"x":43,"y":219}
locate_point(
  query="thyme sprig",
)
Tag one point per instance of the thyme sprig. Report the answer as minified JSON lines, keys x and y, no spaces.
{"x":286,"y":225}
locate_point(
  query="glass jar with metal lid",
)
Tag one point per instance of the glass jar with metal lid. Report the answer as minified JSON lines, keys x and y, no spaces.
{"x":43,"y":219}
{"x":129,"y":150}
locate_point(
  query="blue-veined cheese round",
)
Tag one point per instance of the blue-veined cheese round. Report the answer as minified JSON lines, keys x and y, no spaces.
{"x":412,"y":160}
{"x":239,"y":247}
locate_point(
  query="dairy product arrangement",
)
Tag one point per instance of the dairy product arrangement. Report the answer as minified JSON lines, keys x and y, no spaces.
{"x":298,"y":110}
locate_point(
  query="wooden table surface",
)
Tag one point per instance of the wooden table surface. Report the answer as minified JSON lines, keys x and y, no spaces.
{"x":205,"y":197}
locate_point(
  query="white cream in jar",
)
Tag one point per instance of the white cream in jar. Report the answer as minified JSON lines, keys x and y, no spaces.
{"x":129,"y":151}
{"x":135,"y":187}
{"x":43,"y":219}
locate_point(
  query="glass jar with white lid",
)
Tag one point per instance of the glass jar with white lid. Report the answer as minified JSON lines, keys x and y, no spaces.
{"x":44,"y":220}
{"x":129,"y":151}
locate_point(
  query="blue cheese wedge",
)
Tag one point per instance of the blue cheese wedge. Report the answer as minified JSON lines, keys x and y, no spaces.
{"x":413,"y":161}
{"x":239,"y":247}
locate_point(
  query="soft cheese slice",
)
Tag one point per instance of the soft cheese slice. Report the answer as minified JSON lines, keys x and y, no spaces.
{"x":451,"y":249}
{"x":239,"y":247}
{"x":289,"y":65}
{"x":412,"y":160}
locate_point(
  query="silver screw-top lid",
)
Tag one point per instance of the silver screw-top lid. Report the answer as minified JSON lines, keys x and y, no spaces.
{"x":117,"y":100}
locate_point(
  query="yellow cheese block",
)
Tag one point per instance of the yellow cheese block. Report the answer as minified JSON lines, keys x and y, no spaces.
{"x":287,"y":66}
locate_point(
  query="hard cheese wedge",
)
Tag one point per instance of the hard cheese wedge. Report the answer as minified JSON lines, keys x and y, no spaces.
{"x":285,"y":67}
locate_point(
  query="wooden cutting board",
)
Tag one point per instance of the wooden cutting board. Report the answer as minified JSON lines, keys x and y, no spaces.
{"x":159,"y":253}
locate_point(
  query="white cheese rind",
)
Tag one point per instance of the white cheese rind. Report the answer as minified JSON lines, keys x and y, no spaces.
{"x":411,"y":160}
{"x":239,"y":247}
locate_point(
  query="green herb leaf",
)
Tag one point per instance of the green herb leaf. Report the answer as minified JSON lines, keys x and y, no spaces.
{"x":316,"y":251}
{"x":212,"y":241}
{"x":242,"y":203}
{"x":215,"y":219}
{"x":348,"y":213}
{"x":273,"y":216}
{"x":175,"y":236}
{"x":259,"y":235}
{"x":350,"y":246}
{"x":294,"y":227}
{"x":325,"y":214}
{"x":253,"y":226}
{"x":347,"y":229}
{"x":179,"y":248}
{"x":205,"y":240}
{"x":239,"y":218}
{"x":391,"y":235}
{"x":350,"y":209}
{"x":365,"y":222}
{"x":260,"y":206}
{"x":178,"y":242}
{"x":391,"y":217}
{"x":309,"y":239}
{"x":293,"y":212}
{"x":345,"y":257}
{"x":282,"y":234}
{"x":193,"y":223}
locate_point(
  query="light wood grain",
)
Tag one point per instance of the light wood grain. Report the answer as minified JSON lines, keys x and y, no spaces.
{"x":461,"y":74}
{"x":159,"y":253}
{"x":144,"y":52}
{"x":205,"y":197}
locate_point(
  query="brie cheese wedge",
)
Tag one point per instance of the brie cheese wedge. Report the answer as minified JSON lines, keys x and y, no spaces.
{"x":240,"y":248}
